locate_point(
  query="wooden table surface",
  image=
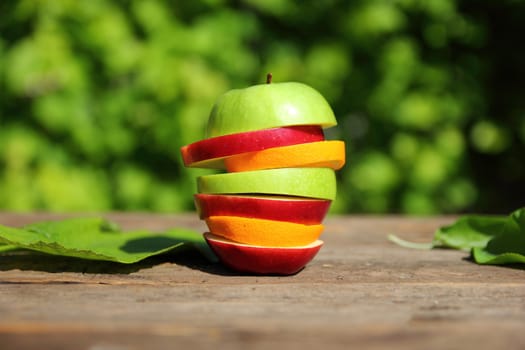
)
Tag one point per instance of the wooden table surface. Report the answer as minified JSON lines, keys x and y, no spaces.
{"x":361,"y":291}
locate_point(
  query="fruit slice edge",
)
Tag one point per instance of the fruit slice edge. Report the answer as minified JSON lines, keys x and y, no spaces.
{"x":322,"y":154}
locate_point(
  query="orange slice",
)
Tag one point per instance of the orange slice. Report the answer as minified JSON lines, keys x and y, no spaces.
{"x":262,"y":232}
{"x":322,"y":154}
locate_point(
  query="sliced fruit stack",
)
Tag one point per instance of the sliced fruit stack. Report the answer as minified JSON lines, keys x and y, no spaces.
{"x":265,"y":212}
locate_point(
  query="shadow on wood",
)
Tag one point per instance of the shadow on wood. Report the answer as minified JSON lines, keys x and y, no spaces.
{"x":25,"y":260}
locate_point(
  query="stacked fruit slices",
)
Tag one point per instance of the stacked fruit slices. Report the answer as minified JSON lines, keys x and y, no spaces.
{"x":265,"y":212}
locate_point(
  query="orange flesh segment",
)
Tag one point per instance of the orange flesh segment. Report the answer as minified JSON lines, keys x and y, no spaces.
{"x":322,"y":154}
{"x":262,"y":232}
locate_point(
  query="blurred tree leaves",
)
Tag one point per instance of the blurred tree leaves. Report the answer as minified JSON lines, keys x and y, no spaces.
{"x":97,"y":97}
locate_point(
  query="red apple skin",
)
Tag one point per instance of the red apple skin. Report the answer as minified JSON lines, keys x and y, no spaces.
{"x":300,"y":210}
{"x":202,"y":153}
{"x":262,"y":260}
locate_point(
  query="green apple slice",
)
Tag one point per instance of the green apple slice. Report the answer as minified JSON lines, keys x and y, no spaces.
{"x":302,"y":182}
{"x":267,"y":106}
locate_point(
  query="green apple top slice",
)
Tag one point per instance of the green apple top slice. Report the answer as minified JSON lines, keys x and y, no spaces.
{"x":269,"y":106}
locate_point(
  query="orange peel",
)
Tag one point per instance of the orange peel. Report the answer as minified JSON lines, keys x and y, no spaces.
{"x":322,"y":154}
{"x":262,"y":232}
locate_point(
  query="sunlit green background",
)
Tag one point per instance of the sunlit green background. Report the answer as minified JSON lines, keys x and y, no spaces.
{"x":96,"y":97}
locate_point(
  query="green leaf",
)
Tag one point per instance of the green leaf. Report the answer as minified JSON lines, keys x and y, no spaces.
{"x":7,"y":248}
{"x":469,"y":231}
{"x":465,"y":233}
{"x":98,"y":239}
{"x":494,"y":240}
{"x":508,"y":247}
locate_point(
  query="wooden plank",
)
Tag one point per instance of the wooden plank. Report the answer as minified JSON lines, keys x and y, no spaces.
{"x":361,"y":290}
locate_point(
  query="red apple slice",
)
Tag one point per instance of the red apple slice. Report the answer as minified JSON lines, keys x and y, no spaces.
{"x":208,"y":153}
{"x":262,"y":260}
{"x":293,"y":209}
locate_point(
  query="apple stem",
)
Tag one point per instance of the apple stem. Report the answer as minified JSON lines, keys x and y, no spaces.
{"x":269,"y":78}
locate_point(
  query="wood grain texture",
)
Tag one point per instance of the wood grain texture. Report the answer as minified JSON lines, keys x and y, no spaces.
{"x":360,"y":291}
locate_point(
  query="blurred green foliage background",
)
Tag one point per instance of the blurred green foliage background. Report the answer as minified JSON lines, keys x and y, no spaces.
{"x":96,"y":97}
